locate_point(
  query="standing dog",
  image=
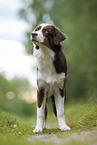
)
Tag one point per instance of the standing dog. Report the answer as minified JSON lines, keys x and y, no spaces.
{"x":51,"y":73}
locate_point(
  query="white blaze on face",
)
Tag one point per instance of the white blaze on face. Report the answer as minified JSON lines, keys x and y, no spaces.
{"x":40,"y":37}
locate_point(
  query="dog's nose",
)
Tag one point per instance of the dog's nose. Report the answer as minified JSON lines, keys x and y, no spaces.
{"x":34,"y":34}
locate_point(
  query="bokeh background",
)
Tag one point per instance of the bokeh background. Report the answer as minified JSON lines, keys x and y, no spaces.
{"x":77,"y":19}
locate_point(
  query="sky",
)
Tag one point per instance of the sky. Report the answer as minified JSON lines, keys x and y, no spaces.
{"x":14,"y":60}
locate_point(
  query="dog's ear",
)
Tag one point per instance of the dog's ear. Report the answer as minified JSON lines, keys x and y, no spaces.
{"x":58,"y":36}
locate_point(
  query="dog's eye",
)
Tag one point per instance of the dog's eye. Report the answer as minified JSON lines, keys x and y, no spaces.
{"x":46,"y":32}
{"x":38,"y":28}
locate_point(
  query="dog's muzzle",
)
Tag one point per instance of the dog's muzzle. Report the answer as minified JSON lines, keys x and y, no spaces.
{"x":34,"y":36}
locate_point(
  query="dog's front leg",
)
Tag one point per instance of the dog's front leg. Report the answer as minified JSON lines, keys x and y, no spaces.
{"x":41,"y":100}
{"x":59,"y":101}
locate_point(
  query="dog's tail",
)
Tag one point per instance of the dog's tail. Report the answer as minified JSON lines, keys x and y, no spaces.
{"x":53,"y":105}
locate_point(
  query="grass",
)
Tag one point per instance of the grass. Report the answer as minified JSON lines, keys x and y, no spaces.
{"x":81,"y":118}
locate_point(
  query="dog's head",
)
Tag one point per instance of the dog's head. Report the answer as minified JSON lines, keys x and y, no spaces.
{"x":48,"y":35}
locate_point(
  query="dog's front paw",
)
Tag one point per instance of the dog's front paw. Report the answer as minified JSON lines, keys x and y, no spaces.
{"x":64,"y":128}
{"x":38,"y":129}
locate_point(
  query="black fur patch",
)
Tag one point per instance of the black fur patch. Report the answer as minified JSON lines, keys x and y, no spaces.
{"x":53,"y":105}
{"x":40,"y":96}
{"x":46,"y":112}
{"x":60,"y":62}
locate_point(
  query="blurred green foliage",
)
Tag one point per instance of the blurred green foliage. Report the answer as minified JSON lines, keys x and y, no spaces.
{"x":9,"y":96}
{"x":78,"y":19}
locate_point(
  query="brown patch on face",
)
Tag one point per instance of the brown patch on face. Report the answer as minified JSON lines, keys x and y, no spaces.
{"x":45,"y":28}
{"x":48,"y":33}
{"x":53,"y":36}
{"x":37,"y":28}
{"x":46,"y":42}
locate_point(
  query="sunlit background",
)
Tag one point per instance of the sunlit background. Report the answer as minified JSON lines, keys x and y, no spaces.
{"x":15,"y":64}
{"x":14,"y":60}
{"x":77,"y":19}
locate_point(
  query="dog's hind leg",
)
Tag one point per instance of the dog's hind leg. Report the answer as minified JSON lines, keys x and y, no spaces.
{"x":53,"y":104}
{"x":45,"y":117}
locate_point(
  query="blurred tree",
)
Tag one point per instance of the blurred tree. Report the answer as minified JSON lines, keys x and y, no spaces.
{"x":4,"y":85}
{"x":9,"y":92}
{"x":78,"y":19}
{"x":18,"y":84}
{"x":35,"y":12}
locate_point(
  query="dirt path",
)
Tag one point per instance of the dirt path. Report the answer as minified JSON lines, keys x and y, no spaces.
{"x":84,"y":137}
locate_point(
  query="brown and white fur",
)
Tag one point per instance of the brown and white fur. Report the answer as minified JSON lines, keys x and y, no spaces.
{"x":51,"y":73}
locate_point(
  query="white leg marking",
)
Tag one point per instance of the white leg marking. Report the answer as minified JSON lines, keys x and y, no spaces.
{"x":60,"y":111}
{"x":40,"y":117}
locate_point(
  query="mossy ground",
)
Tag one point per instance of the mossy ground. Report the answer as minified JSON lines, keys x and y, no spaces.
{"x":81,"y":118}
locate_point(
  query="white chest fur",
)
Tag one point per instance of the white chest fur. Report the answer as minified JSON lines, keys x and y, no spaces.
{"x":47,"y":75}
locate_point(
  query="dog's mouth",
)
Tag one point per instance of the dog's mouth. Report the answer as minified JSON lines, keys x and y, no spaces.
{"x":36,"y":42}
{"x":33,"y":39}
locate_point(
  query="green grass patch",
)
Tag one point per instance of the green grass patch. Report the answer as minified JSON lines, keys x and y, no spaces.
{"x":11,"y":124}
{"x":82,"y":116}
{"x":15,"y":130}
